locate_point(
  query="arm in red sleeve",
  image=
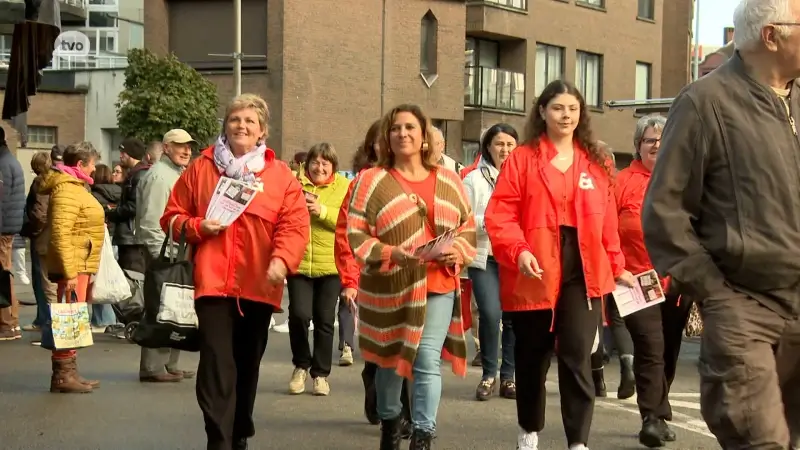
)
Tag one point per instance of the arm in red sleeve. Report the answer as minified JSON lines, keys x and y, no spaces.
{"x":182,"y":206}
{"x":293,"y":229}
{"x":343,"y":256}
{"x":611,"y":236}
{"x":502,"y":217}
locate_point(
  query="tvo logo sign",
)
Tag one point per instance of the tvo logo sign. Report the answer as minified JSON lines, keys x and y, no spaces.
{"x":70,"y":44}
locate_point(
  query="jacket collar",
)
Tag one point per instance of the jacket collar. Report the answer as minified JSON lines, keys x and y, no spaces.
{"x":165,"y":160}
{"x":638,"y":167}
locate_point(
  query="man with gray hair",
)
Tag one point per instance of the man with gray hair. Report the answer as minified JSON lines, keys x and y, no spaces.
{"x":438,"y":152}
{"x":722,"y":218}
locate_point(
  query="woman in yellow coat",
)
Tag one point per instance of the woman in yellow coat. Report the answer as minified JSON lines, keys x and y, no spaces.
{"x":314,"y":289}
{"x":76,"y":226}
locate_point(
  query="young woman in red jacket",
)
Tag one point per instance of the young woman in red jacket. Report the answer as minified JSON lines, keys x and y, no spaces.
{"x":366,"y":157}
{"x":552,"y":222}
{"x":657,"y":331}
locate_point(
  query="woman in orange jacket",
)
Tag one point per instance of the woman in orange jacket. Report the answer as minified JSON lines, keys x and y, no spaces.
{"x":657,"y":331}
{"x":349,"y":271}
{"x":553,"y":227}
{"x":239,"y":270}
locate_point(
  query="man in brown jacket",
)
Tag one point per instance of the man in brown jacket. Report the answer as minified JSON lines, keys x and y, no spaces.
{"x":722,"y":217}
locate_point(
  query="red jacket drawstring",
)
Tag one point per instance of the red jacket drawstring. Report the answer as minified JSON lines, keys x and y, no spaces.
{"x":239,"y":306}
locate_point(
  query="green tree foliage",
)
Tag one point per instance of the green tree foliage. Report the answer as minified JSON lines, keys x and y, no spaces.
{"x":162,"y":93}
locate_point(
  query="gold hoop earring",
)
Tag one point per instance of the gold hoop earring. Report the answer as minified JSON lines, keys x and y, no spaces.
{"x":424,"y":146}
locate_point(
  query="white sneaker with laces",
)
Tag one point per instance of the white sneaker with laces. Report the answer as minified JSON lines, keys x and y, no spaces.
{"x":527,"y":441}
{"x":578,"y":447}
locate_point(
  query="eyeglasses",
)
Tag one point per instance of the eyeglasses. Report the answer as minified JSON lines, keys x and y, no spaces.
{"x":651,"y":141}
{"x":786,"y":24}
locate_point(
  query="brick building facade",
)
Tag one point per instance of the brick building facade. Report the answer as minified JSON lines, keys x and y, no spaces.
{"x":328,"y":69}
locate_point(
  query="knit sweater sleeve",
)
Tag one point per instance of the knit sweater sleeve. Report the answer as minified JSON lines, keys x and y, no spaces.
{"x":361,"y":216}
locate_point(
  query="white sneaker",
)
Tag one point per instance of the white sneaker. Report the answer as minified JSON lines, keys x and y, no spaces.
{"x":23,"y":278}
{"x":282,"y":328}
{"x":578,"y":447}
{"x":271,"y":323}
{"x":527,"y":441}
{"x":297,"y":385}
{"x":311,"y":326}
{"x":347,"y":356}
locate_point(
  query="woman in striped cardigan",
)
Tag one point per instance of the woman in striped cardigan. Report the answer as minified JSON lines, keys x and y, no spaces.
{"x":410,"y":317}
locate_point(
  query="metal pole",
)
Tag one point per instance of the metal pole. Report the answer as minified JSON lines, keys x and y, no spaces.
{"x":237,"y":46}
{"x":696,"y":65}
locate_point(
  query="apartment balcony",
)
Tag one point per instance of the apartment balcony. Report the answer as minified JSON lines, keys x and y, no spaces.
{"x":73,"y":11}
{"x":492,"y":88}
{"x":75,"y":63}
{"x":497,"y":19}
{"x":13,"y":11}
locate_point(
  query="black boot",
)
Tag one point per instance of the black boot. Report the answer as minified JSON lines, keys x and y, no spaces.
{"x":651,"y":435}
{"x":666,"y":431}
{"x":240,"y":444}
{"x":421,"y":440}
{"x":599,"y":383}
{"x":390,"y":434}
{"x":627,"y":380}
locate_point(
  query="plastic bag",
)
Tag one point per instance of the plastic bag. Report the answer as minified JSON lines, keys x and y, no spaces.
{"x":110,"y":284}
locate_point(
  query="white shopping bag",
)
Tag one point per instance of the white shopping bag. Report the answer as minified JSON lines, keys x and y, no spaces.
{"x":110,"y":285}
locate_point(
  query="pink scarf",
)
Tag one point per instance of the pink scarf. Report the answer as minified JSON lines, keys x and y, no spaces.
{"x":75,"y":172}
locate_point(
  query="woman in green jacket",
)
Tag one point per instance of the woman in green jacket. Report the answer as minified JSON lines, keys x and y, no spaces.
{"x":314,"y":289}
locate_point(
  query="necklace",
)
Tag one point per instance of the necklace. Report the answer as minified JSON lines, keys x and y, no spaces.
{"x":563,"y":157}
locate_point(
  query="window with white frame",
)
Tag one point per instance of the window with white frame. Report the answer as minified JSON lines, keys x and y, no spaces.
{"x":589,"y":77}
{"x":599,"y":3}
{"x":41,"y":136}
{"x":549,"y":65}
{"x":643,"y":71}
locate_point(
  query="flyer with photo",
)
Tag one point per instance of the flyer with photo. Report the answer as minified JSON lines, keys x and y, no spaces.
{"x":230,"y":199}
{"x":646,"y":293}
{"x":435,"y":247}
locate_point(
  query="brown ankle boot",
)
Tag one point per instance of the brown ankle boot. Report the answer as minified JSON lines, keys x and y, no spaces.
{"x":94,"y":384}
{"x":65,"y":380}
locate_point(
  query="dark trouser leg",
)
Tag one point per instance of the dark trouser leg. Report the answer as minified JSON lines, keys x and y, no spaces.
{"x":532,"y":353}
{"x":216,"y":374}
{"x":301,"y":303}
{"x":621,"y":336}
{"x":674,"y":317}
{"x":37,"y":282}
{"x":576,"y":335}
{"x":740,"y":394}
{"x":648,"y":362}
{"x":347,"y":325}
{"x":788,"y":361}
{"x":249,"y":341}
{"x":326,"y":294}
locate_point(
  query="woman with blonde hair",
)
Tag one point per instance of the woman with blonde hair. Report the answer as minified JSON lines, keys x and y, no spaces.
{"x":239,"y":270}
{"x":396,"y":208}
{"x":76,"y":223}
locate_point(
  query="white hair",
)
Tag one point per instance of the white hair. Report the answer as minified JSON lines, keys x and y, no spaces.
{"x":751,"y":16}
{"x":438,"y":132}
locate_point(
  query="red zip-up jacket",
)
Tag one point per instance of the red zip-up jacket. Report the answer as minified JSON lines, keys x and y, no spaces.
{"x":630,"y":187}
{"x":521,"y":215}
{"x":234,"y":263}
{"x":346,"y":264}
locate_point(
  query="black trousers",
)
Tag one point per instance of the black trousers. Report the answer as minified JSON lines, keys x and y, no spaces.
{"x":231,"y":348}
{"x":657,"y":334}
{"x":576,"y":320}
{"x":312,"y":299}
{"x":368,"y":375}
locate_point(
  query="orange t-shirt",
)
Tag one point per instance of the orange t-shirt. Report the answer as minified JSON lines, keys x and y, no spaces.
{"x":562,"y":186}
{"x":439,"y":281}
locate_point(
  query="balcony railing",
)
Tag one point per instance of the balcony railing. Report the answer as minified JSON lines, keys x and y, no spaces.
{"x":514,"y":4}
{"x":76,"y":3}
{"x":78,"y":62}
{"x":488,"y":87}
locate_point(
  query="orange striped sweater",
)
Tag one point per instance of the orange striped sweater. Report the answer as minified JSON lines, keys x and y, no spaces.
{"x":392,"y":299}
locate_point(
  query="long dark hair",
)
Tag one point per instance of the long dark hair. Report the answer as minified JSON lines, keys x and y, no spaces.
{"x":365,"y":155}
{"x":493,"y":131}
{"x":102,"y":174}
{"x":536,"y":125}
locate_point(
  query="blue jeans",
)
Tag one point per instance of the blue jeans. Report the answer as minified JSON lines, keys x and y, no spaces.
{"x":103,"y":316}
{"x":427,"y":384}
{"x":37,"y":282}
{"x":486,"y":287}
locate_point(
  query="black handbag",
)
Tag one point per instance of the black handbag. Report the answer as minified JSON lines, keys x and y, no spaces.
{"x":169,"y":319}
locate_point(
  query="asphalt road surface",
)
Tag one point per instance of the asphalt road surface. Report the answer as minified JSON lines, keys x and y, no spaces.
{"x":127,"y":415}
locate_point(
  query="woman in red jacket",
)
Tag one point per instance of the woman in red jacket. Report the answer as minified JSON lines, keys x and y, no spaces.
{"x":657,"y":331}
{"x":366,"y":157}
{"x":553,"y":227}
{"x":239,"y":270}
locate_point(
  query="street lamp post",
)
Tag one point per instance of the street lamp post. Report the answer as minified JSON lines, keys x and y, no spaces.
{"x":696,"y":65}
{"x":237,"y":54}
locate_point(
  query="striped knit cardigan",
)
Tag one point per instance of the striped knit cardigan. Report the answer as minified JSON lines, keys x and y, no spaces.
{"x":392,"y":300}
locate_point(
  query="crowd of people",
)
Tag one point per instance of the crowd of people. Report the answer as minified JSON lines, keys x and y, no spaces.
{"x":542,"y":225}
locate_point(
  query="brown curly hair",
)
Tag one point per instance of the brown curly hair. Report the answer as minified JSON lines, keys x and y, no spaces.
{"x":386,"y":157}
{"x":366,"y":156}
{"x":537,"y":126}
